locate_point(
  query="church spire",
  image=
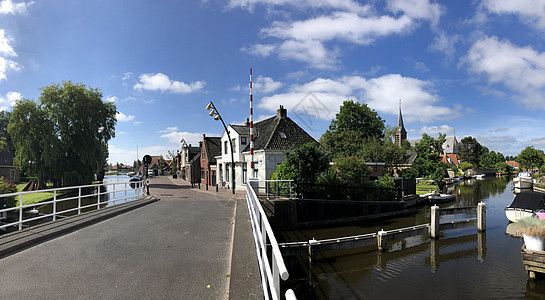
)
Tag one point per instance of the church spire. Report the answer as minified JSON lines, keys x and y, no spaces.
{"x":401,"y":133}
{"x":400,"y":125}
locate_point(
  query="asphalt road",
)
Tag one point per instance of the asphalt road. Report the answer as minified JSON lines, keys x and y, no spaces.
{"x":177,"y":248}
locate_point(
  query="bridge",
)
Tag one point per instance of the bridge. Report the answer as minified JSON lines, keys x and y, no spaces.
{"x":192,"y":244}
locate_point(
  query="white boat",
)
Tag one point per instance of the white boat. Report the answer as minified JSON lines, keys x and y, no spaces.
{"x":524,"y":180}
{"x":525,"y":204}
{"x":480,"y":176}
{"x":441,"y":198}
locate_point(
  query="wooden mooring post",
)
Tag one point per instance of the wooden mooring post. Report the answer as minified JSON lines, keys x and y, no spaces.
{"x":434,"y":223}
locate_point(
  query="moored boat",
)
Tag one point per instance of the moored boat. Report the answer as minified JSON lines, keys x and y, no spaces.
{"x":525,"y":204}
{"x":524,"y":180}
{"x":441,"y":198}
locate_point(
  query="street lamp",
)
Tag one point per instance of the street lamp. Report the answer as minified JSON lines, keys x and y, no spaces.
{"x":215,"y":113}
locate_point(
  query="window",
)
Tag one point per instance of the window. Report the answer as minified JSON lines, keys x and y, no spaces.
{"x":283,"y":135}
{"x":12,"y":175}
{"x":202,"y":174}
{"x":221,"y":172}
{"x":243,"y":140}
{"x":244,"y":172}
{"x":225,"y":147}
{"x":234,"y":142}
{"x":255,"y":169}
{"x":227,"y":171}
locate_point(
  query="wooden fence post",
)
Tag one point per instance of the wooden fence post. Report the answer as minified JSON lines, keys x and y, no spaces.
{"x":481,"y":216}
{"x":434,"y":224}
{"x":381,"y":240}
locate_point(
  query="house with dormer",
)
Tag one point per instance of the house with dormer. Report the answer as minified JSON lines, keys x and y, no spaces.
{"x":273,"y":138}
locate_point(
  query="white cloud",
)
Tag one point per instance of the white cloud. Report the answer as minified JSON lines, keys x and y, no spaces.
{"x":161,"y":82}
{"x":6,"y":65}
{"x":347,"y":5}
{"x":128,"y":76}
{"x":121,"y":117}
{"x":8,"y":7}
{"x":435,"y":130}
{"x":520,"y":69}
{"x":9,"y":99}
{"x":5,"y":47}
{"x":445,"y":43}
{"x":417,"y":9}
{"x":259,"y":50}
{"x":111,"y":99}
{"x":305,"y":39}
{"x":266,"y":84}
{"x":528,"y":11}
{"x":321,"y":98}
{"x":173,"y":135}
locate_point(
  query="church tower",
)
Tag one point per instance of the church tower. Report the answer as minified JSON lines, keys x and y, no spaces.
{"x":401,"y":133}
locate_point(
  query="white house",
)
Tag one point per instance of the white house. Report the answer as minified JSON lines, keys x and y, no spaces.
{"x":272,"y":138}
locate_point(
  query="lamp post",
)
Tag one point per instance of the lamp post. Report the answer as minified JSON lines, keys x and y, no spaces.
{"x":215,"y":113}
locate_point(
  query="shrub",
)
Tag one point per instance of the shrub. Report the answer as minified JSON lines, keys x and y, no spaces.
{"x":7,"y":187}
{"x":531,"y":226}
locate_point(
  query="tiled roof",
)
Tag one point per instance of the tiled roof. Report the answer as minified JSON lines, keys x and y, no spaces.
{"x":278,"y":133}
{"x":451,"y":159}
{"x":241,"y":129}
{"x":212,"y":146}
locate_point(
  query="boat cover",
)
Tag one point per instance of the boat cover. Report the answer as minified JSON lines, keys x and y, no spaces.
{"x":529,"y":200}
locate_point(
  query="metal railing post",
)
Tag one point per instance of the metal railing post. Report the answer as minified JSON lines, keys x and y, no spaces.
{"x":79,"y":201}
{"x":125,"y":188}
{"x":54,"y":205}
{"x":98,"y":198}
{"x":21,"y":212}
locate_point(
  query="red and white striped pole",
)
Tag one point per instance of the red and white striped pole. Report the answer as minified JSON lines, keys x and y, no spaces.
{"x":251,"y":131}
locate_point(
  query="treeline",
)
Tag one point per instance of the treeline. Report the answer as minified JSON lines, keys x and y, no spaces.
{"x":63,"y":137}
{"x":358,"y":135}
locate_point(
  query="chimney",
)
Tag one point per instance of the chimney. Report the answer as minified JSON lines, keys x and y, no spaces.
{"x":247,"y":123}
{"x":281,"y":112}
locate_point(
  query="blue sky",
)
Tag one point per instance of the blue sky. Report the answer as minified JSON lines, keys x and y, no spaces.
{"x":473,"y":68}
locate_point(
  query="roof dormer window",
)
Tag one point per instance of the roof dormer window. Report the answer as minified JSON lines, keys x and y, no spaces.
{"x":283,"y":135}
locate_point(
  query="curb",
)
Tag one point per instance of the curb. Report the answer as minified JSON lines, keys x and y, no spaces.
{"x":19,"y":240}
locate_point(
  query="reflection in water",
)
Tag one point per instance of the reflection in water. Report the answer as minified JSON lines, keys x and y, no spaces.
{"x":461,"y":264}
{"x":108,"y":192}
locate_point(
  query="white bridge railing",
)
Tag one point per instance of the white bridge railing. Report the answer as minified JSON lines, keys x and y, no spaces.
{"x":272,"y":267}
{"x":84,"y":197}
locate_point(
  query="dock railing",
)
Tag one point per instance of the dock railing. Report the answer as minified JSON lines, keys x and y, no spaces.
{"x":381,"y":238}
{"x":271,"y":263}
{"x":106,"y":194}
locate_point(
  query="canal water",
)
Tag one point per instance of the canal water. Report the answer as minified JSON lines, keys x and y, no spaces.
{"x":115,"y":187}
{"x":462,"y":264}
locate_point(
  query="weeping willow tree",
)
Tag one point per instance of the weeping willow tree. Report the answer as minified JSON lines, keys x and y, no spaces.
{"x":63,"y":137}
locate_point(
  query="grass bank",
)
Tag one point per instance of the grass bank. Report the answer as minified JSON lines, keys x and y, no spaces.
{"x":34,"y":197}
{"x":423,"y":187}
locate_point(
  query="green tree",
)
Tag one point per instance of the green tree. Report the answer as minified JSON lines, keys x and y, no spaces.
{"x":384,"y":150}
{"x":304,"y":165}
{"x":428,"y":163}
{"x":471,"y":151}
{"x":351,"y":127}
{"x":284,"y":171}
{"x":491,"y":159}
{"x":531,"y":158}
{"x":350,"y":171}
{"x":464,"y":166}
{"x":63,"y":137}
